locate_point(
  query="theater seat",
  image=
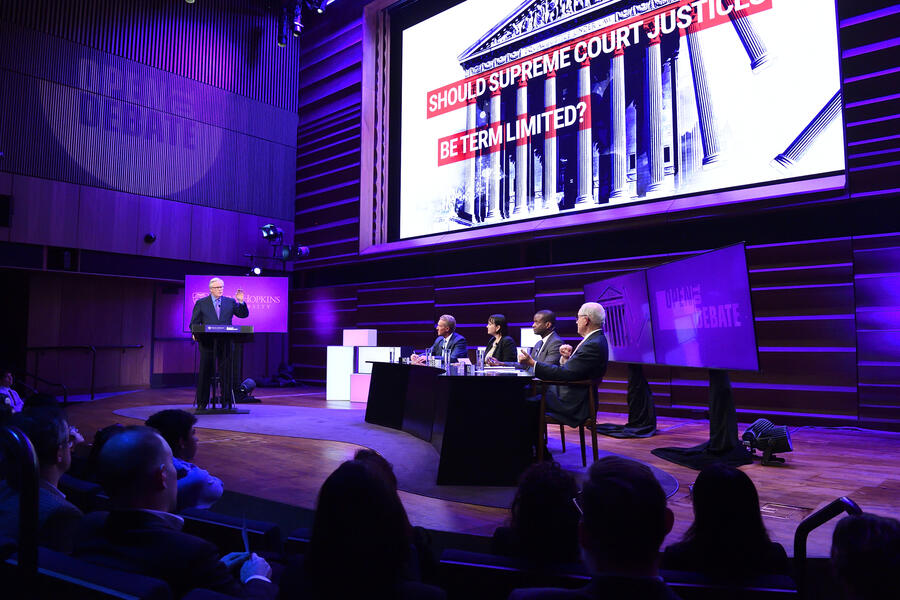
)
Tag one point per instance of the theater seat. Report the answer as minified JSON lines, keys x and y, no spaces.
{"x":86,"y":495}
{"x":474,"y":575}
{"x":61,"y":576}
{"x":225,"y":531}
{"x":696,"y":586}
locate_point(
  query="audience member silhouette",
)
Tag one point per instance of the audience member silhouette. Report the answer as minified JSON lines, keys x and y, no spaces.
{"x":727,"y":540}
{"x":423,"y":563}
{"x":543,"y":527}
{"x":196,"y":487}
{"x":48,"y":430}
{"x":625,"y":520}
{"x":141,"y":535}
{"x":360,"y":544}
{"x":865,"y":555}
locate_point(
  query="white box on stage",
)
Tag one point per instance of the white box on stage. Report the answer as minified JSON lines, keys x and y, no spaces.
{"x":367,"y":355}
{"x":528,"y":337}
{"x":360,"y":337}
{"x":339,"y":368}
{"x":359,"y":387}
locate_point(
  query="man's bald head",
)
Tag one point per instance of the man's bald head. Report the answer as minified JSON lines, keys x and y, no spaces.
{"x":135,"y":468}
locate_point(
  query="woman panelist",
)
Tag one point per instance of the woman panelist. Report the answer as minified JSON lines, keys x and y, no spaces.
{"x":501,"y":348}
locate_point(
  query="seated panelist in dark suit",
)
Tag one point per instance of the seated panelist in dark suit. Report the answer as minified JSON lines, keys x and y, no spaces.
{"x":588,"y":361}
{"x":142,"y":535}
{"x":546,"y":350}
{"x":500,"y":348}
{"x":447,"y":338}
{"x":215,"y":309}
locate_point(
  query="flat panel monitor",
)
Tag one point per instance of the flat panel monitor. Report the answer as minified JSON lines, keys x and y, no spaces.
{"x":266,"y":298}
{"x":506,"y":111}
{"x":627,"y":329}
{"x":701,"y":313}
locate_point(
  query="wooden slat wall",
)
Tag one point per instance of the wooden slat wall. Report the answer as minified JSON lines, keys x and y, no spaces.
{"x":228,"y":44}
{"x":827,"y":309}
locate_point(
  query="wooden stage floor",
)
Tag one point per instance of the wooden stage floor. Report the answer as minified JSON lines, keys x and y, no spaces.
{"x":826,"y":463}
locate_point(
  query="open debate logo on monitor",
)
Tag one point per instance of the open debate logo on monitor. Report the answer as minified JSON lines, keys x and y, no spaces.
{"x":266,"y":298}
{"x":692,"y":312}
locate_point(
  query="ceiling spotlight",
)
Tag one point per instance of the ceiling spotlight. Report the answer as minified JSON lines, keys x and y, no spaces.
{"x":318,"y":5}
{"x":272,"y":233}
{"x":297,"y":25}
{"x":256,"y":271}
{"x":189,"y":1}
{"x":769,"y":438}
{"x":282,"y":33}
{"x":301,"y":251}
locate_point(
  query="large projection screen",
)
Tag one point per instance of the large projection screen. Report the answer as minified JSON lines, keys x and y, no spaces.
{"x":518,"y":110}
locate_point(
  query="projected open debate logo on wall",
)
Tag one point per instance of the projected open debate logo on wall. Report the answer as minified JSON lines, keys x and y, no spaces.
{"x":135,"y":128}
{"x":516,"y":110}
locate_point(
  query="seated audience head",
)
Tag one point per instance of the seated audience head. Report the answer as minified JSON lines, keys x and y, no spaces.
{"x":446,"y":325}
{"x":177,"y":428}
{"x":378,"y":464}
{"x":544,"y":322}
{"x":6,"y":377}
{"x":100,"y":438}
{"x":499,"y":321}
{"x":359,"y":538}
{"x":865,"y":555}
{"x":48,"y":430}
{"x":625,"y":518}
{"x":728,"y":526}
{"x":135,"y":468}
{"x":544,"y":518}
{"x":591,"y":316}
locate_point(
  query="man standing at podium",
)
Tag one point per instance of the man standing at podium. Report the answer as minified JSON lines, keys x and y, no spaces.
{"x":215,"y":309}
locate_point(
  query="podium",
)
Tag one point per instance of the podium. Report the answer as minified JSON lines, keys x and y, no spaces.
{"x":226,"y":366}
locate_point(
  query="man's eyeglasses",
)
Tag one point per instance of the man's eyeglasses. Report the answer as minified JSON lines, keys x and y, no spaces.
{"x":217,"y":287}
{"x":576,"y":500}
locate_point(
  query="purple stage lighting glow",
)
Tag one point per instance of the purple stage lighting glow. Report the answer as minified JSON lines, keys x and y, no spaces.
{"x":266,"y":297}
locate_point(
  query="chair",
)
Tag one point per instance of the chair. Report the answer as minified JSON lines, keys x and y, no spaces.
{"x":62,"y":576}
{"x":546,"y":418}
{"x":226,"y":532}
{"x":696,"y":586}
{"x":475,"y":575}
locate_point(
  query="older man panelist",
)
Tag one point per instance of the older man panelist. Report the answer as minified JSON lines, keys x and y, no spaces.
{"x":215,"y":309}
{"x":447,"y":339}
{"x":587,"y":361}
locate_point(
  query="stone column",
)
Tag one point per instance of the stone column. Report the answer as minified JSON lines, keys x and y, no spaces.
{"x":709,"y":134}
{"x":492,"y":211}
{"x":585,"y":171}
{"x":753,"y":44}
{"x":471,"y":183}
{"x":619,"y":150}
{"x":653,"y":111}
{"x":550,"y":161}
{"x":522,"y":156}
{"x":795,"y":151}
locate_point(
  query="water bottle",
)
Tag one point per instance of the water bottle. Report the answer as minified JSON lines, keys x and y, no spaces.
{"x":428,"y":359}
{"x":446,"y":360}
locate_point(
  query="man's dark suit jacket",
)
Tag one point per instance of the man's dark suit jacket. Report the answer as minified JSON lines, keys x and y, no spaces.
{"x":205,"y":313}
{"x":607,"y":587}
{"x":142,"y":542}
{"x":456,"y":343}
{"x":570,"y":403}
{"x":549,"y":351}
{"x":58,"y":519}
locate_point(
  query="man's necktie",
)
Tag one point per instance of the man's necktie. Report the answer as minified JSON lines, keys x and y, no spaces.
{"x":218,"y":303}
{"x":536,"y":351}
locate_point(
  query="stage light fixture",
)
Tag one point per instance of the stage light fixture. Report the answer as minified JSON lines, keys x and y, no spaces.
{"x":318,"y":5}
{"x":245,"y":392}
{"x":282,"y":33}
{"x":301,"y":251}
{"x":272,"y":233}
{"x":769,"y":438}
{"x":190,"y":1}
{"x":149,"y":238}
{"x":256,"y":271}
{"x":297,"y":25}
